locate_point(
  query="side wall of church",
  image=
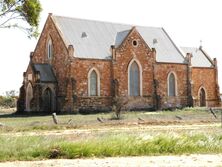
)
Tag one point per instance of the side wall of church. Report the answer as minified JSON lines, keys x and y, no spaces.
{"x":80,"y":72}
{"x":162,"y":70}
{"x":205,"y":78}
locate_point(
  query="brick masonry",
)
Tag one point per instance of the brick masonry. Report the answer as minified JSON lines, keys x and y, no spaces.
{"x":71,"y":89}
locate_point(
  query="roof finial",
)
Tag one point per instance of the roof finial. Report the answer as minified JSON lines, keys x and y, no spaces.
{"x":201,"y":42}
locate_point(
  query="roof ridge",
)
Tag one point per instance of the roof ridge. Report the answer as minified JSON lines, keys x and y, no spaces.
{"x":102,"y":21}
{"x":104,"y":34}
{"x":193,"y":47}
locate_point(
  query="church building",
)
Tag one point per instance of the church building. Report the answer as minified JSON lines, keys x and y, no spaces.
{"x":85,"y":66}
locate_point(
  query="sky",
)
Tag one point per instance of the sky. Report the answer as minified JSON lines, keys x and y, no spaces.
{"x":186,"y":21}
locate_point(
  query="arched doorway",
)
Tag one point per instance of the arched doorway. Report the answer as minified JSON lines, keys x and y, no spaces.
{"x":202,"y":97}
{"x":47,"y":100}
{"x":29,"y":96}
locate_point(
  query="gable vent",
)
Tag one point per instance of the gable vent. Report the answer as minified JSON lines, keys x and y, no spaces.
{"x":155,"y":41}
{"x":84,"y":35}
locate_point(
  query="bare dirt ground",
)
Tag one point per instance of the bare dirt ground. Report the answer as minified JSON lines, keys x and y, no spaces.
{"x":195,"y":160}
{"x":115,"y":129}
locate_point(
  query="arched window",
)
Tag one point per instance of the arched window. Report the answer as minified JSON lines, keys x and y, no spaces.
{"x":49,"y":49}
{"x":93,"y":83}
{"x":29,"y":96}
{"x":134,"y":79}
{"x":171,"y":84}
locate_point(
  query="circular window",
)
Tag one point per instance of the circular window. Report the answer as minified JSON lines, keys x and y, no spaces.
{"x":135,"y":43}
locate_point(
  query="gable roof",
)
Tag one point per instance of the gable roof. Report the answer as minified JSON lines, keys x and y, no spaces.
{"x":199,"y":57}
{"x":93,"y":39}
{"x":46,"y":72}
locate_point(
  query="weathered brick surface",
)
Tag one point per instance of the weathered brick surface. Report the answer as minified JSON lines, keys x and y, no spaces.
{"x":60,"y":60}
{"x":71,"y":72}
{"x":205,"y":77}
{"x":162,"y":71}
{"x":125,"y":53}
{"x":80,"y":71}
{"x":144,"y":56}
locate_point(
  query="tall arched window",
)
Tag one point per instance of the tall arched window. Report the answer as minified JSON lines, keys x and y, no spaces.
{"x":93,"y":83}
{"x":49,"y":49}
{"x":171,"y":85}
{"x":134,"y":79}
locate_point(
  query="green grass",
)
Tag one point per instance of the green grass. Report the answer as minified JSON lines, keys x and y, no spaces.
{"x":109,"y":145}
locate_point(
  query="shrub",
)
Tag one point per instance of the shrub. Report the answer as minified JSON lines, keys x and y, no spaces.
{"x":7,"y":101}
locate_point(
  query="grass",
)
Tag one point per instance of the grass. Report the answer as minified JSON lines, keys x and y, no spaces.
{"x":110,"y":145}
{"x":38,"y":138}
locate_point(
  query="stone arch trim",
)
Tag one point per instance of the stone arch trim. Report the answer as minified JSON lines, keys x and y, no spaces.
{"x":98,"y":80}
{"x":168,"y":84}
{"x":48,"y":87}
{"x":141,"y":75}
{"x":53,"y":97}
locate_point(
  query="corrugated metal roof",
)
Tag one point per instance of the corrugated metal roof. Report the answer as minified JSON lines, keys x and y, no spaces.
{"x":101,"y":35}
{"x":120,"y":36}
{"x":199,"y":59}
{"x":46,"y":72}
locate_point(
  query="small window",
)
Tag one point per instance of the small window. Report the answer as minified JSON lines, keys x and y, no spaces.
{"x":50,"y":49}
{"x":135,"y":43}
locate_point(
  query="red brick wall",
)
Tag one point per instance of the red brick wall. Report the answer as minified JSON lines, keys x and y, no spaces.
{"x":80,"y":70}
{"x":72,"y":74}
{"x":161,"y":73}
{"x":60,"y":54}
{"x":206,"y":78}
{"x":127,"y":52}
{"x":124,"y":54}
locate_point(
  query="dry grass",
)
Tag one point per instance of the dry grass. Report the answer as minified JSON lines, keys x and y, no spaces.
{"x":137,"y":133}
{"x":16,"y":123}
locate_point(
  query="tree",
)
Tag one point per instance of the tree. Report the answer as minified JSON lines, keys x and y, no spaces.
{"x":11,"y":93}
{"x":26,"y":12}
{"x":118,"y":104}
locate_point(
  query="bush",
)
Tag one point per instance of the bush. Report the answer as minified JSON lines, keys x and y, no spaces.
{"x":7,"y":101}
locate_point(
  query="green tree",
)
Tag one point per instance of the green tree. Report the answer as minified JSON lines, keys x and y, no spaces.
{"x":23,"y":14}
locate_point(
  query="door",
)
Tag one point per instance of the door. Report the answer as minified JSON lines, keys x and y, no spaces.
{"x":202,"y":98}
{"x":47,"y":100}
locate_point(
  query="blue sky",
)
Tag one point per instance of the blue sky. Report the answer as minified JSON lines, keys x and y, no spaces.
{"x":186,"y":21}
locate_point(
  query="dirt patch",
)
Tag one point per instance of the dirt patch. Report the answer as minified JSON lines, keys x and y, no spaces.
{"x":168,"y":161}
{"x":136,"y":127}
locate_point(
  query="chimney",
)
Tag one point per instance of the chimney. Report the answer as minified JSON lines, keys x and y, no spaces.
{"x":71,"y":51}
{"x":154,"y":53}
{"x":113,"y":51}
{"x":188,"y":58}
{"x":215,"y":62}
